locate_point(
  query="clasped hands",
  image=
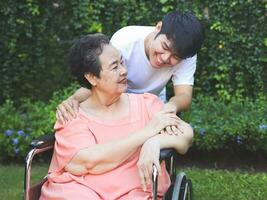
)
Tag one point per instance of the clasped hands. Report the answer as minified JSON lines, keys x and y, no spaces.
{"x":150,"y":151}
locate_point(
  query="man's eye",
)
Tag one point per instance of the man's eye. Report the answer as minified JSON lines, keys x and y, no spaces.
{"x":176,"y":57}
{"x":165,"y":48}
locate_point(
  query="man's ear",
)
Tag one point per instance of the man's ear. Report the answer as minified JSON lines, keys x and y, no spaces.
{"x":91,"y":79}
{"x":158,"y":26}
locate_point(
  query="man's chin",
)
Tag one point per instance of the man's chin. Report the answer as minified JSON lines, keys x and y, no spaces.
{"x":156,"y":66}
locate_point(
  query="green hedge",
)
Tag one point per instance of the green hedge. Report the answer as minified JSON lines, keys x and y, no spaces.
{"x":237,"y":124}
{"x":36,"y":34}
{"x":21,"y":125}
{"x":240,"y":123}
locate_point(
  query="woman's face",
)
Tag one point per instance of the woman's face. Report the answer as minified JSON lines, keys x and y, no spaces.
{"x":113,"y":76}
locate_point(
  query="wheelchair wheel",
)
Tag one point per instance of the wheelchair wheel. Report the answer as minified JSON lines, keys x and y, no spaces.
{"x":182,"y":189}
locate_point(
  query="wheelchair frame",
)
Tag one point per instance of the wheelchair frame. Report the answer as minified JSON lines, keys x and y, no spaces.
{"x":180,"y":189}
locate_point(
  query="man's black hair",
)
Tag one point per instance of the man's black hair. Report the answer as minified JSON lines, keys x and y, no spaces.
{"x":185,"y":33}
{"x":84,"y":56}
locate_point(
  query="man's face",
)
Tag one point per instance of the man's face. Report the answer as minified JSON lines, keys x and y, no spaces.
{"x":113,"y":76}
{"x":160,"y":53}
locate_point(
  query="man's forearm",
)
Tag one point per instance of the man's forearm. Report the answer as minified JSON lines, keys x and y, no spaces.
{"x":81,"y":94}
{"x":181,"y":102}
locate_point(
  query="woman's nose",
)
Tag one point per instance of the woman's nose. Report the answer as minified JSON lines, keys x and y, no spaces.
{"x":123,"y":70}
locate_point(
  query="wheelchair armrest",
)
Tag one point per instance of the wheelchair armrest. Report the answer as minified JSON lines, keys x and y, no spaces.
{"x":167,"y":153}
{"x":43,"y":141}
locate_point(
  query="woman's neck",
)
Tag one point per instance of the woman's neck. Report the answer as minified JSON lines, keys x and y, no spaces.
{"x":102,"y":104}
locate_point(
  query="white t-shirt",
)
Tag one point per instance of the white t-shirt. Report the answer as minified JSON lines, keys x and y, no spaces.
{"x":142,"y":77}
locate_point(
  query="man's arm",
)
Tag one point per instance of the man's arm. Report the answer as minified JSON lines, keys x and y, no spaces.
{"x":81,"y":94}
{"x":179,"y":102}
{"x":182,"y":97}
{"x":68,"y":108}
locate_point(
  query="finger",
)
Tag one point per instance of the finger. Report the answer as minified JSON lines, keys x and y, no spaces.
{"x":75,"y":106}
{"x":61,"y":110}
{"x":142,"y":178}
{"x":180,"y":129}
{"x":175,"y":130}
{"x":146,"y":176}
{"x":157,"y":164}
{"x":69,"y":109}
{"x":60,"y":117}
{"x":168,"y":130}
{"x":174,"y":116}
{"x":69,"y":116}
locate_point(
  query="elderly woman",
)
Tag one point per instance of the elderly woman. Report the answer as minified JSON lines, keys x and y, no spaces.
{"x":107,"y":151}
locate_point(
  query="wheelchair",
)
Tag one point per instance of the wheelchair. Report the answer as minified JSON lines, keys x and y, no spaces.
{"x":180,"y":188}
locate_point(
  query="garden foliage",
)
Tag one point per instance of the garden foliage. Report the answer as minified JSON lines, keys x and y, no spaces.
{"x":237,"y":124}
{"x":36,"y":34}
{"x":229,"y":108}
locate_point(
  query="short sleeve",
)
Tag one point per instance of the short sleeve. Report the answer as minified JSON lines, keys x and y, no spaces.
{"x":184,"y":75}
{"x":70,"y":139}
{"x":153,"y":104}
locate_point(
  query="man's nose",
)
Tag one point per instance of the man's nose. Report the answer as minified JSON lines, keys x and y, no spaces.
{"x":166,"y":57}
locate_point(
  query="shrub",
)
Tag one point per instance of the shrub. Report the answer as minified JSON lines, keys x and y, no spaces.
{"x":36,"y":34}
{"x":239,"y":123}
{"x":21,"y":125}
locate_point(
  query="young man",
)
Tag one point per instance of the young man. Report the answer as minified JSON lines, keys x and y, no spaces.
{"x":154,"y":55}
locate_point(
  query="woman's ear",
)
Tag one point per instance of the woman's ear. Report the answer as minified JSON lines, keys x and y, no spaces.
{"x":158,"y":26}
{"x":90,"y":78}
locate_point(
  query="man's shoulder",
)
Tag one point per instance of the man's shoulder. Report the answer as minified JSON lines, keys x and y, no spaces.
{"x":187,"y":63}
{"x":130,"y":34}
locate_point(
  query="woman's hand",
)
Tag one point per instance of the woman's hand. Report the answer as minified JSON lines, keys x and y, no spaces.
{"x":149,"y":155}
{"x":67,"y":110}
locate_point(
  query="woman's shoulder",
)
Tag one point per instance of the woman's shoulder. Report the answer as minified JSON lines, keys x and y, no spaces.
{"x":147,"y":99}
{"x":75,"y":123}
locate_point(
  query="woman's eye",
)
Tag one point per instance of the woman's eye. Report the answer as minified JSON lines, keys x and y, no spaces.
{"x":116,"y":67}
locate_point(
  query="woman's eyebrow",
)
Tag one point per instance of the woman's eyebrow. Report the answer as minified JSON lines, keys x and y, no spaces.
{"x":113,"y":63}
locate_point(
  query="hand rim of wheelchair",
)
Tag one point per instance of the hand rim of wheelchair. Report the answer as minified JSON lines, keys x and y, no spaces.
{"x":185,"y":191}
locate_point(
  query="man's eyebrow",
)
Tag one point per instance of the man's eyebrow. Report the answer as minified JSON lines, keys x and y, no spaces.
{"x":164,"y":44}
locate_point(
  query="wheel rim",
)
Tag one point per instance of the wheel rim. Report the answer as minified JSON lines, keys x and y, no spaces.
{"x":182,"y":188}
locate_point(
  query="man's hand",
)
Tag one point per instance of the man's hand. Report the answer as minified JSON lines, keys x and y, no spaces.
{"x":67,"y":110}
{"x":171,"y":130}
{"x":149,"y":155}
{"x":160,"y":121}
